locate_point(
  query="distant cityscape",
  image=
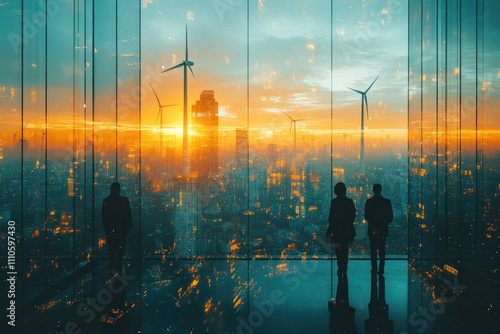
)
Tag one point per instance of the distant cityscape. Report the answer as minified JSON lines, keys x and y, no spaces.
{"x":227,"y":125}
{"x":272,"y":200}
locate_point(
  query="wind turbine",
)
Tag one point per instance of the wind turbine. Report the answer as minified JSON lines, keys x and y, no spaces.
{"x":160,"y":115}
{"x":363,"y":101}
{"x":186,"y":64}
{"x":15,"y":134}
{"x":294,"y":123}
{"x":44,"y":134}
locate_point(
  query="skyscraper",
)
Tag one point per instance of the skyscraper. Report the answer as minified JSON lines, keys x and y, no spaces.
{"x":241,"y":146}
{"x":240,"y":177}
{"x":205,"y":115}
{"x":186,"y":212}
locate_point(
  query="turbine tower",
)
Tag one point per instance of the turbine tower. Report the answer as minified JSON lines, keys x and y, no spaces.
{"x":44,"y":136}
{"x":186,"y":64}
{"x":294,"y":123}
{"x":363,"y":101}
{"x":14,"y":142}
{"x":160,"y":115}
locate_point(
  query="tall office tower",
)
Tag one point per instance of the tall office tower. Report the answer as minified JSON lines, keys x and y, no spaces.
{"x":241,"y":147}
{"x":186,"y":217}
{"x":240,"y":180}
{"x":273,"y":181}
{"x":23,"y":142}
{"x":273,"y":154}
{"x":206,"y":143}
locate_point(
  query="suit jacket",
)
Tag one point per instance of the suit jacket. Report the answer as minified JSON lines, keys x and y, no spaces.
{"x":378,"y":213}
{"x":341,"y":218}
{"x":116,"y":215}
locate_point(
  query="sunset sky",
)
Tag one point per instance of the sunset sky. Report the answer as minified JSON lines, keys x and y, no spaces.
{"x":289,"y":61}
{"x":289,"y":67}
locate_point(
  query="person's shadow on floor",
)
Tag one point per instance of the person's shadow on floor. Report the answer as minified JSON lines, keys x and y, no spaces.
{"x":341,"y":313}
{"x":379,"y":321}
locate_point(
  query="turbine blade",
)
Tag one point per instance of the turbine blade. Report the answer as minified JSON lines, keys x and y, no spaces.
{"x":178,"y":65}
{"x":301,"y":119}
{"x":158,"y":116}
{"x":287,"y":115}
{"x":167,"y":105}
{"x":187,"y":43}
{"x":190,"y":69}
{"x":157,"y":99}
{"x":354,"y":90}
{"x":371,"y":84}
{"x":291,"y":122}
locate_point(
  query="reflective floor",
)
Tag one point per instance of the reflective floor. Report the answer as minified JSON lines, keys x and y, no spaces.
{"x":154,"y":296}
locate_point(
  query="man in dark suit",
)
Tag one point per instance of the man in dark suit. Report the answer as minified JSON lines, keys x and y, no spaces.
{"x":117,"y":222}
{"x":378,"y":213}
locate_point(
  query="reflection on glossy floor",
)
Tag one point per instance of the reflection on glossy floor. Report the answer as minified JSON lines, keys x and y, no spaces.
{"x":212,"y":296}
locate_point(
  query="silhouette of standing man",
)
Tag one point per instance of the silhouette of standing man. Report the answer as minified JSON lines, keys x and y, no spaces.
{"x":117,"y":222}
{"x":378,"y":213}
{"x":341,"y":229}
